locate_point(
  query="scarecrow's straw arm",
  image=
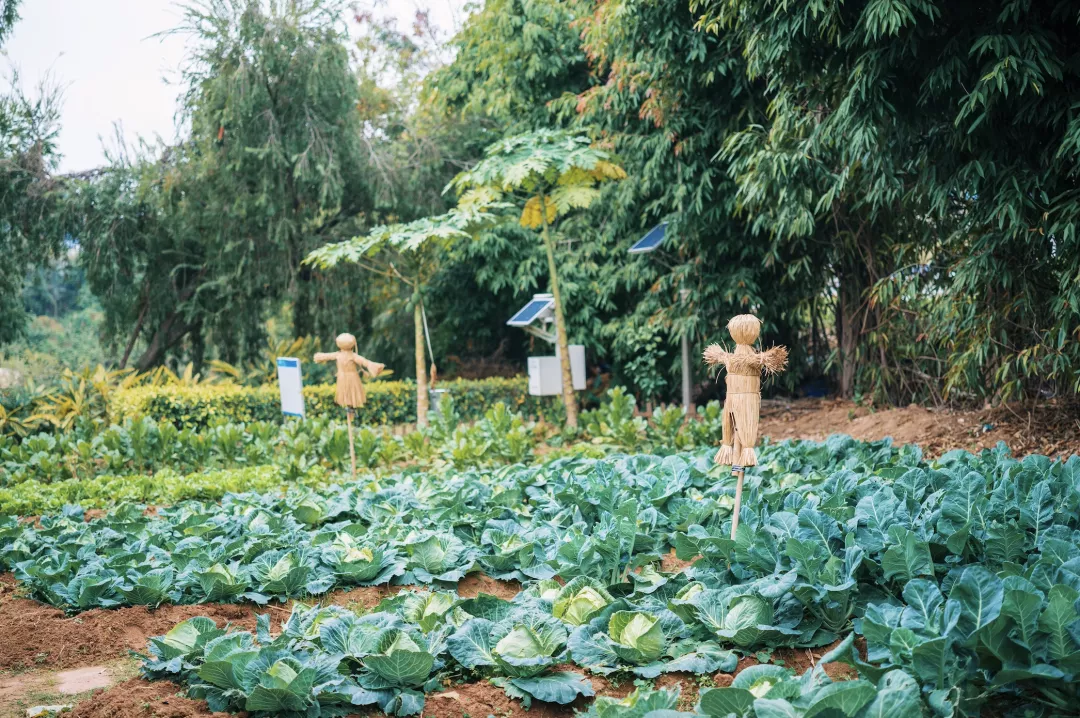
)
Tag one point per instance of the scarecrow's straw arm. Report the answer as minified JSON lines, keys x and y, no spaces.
{"x":773,"y":361}
{"x":716,"y":356}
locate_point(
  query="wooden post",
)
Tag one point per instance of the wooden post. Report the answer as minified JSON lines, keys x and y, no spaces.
{"x":738,"y":472}
{"x":352,"y":447}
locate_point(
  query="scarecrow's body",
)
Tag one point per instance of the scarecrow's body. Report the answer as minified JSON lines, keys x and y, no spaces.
{"x":742,"y":405}
{"x":350,"y":390}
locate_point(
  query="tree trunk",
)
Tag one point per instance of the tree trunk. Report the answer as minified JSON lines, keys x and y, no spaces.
{"x":569,"y":399}
{"x":135,"y":331}
{"x":848,"y":310}
{"x":172,"y":330}
{"x":302,"y":318}
{"x":421,"y":369}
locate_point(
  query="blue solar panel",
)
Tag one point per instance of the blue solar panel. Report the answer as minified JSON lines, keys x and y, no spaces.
{"x":529,"y":312}
{"x":651,"y":240}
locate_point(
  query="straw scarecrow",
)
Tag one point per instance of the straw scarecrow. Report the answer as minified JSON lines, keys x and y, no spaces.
{"x":742,"y":405}
{"x":350,"y":390}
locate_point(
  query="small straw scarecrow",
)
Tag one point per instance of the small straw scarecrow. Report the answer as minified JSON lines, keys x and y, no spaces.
{"x":350,"y":390}
{"x":742,"y":405}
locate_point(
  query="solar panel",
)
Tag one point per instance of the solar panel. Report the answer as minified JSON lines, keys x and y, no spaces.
{"x":529,"y":312}
{"x":651,"y":240}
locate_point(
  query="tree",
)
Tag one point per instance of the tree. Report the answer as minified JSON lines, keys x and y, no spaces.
{"x":33,"y":221}
{"x":668,"y":97}
{"x":408,"y":253}
{"x":9,"y":15}
{"x":274,"y":168}
{"x":939,"y":143}
{"x":512,"y":59}
{"x":549,"y":173}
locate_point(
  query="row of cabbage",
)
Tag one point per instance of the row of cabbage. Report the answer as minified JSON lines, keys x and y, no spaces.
{"x":963,"y":574}
{"x":567,"y":517}
{"x":330,"y":661}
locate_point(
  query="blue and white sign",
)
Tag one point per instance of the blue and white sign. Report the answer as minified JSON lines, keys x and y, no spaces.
{"x":291,"y":385}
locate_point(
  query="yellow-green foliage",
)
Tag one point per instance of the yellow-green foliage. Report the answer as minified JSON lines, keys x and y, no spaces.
{"x":389,"y":402}
{"x":166,"y":487}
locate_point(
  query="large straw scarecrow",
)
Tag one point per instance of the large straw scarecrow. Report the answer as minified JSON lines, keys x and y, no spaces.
{"x":350,"y":390}
{"x":742,"y":405}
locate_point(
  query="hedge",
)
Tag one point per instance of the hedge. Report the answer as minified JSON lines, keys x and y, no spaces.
{"x":388,"y":402}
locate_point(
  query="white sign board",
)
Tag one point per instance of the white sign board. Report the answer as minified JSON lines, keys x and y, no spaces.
{"x":291,"y":385}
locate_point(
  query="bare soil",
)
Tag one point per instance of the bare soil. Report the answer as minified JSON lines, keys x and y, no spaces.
{"x":1051,"y":428}
{"x":21,"y":691}
{"x":39,"y":636}
{"x":136,"y":698}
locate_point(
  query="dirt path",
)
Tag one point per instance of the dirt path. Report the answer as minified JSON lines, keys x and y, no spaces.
{"x":20,"y":692}
{"x":1052,"y":428}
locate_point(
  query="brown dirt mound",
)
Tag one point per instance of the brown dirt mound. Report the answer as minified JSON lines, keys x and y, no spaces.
{"x":36,"y":635}
{"x":670,"y":563}
{"x":137,"y":698}
{"x":476,"y":583}
{"x":367,"y":597}
{"x":1052,"y":428}
{"x":483,"y":699}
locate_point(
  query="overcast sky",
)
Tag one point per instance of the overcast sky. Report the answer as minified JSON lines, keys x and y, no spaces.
{"x":112,"y":69}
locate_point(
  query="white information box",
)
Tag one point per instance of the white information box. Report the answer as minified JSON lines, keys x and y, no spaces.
{"x":291,"y":385}
{"x":545,"y":374}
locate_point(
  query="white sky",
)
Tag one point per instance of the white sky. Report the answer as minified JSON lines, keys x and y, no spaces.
{"x":112,"y":70}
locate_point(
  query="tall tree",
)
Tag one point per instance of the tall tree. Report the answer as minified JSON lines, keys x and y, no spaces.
{"x":273,"y":169}
{"x":9,"y":15}
{"x":938,"y":144}
{"x":668,"y":97}
{"x":512,"y":59}
{"x":32,"y":216}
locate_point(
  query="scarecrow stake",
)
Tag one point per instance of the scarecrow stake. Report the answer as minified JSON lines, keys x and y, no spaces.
{"x":350,"y":390}
{"x":742,"y":404}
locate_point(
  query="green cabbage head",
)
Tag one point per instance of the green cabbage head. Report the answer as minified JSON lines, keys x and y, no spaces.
{"x":636,"y":636}
{"x":580,"y":600}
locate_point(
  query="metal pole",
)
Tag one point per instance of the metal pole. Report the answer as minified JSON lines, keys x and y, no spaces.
{"x":687,"y":398}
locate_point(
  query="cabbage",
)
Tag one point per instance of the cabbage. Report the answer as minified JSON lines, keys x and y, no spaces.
{"x":580,"y":600}
{"x":636,"y":636}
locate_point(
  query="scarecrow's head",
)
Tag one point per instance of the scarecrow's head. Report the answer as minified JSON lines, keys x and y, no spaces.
{"x":744,"y":329}
{"x":346,"y":342}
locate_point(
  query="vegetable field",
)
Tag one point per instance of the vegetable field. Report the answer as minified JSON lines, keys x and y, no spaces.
{"x":948,"y":587}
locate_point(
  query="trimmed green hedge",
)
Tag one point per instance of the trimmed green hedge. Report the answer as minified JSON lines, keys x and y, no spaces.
{"x":388,"y":402}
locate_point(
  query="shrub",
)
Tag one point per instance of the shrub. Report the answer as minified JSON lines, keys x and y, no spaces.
{"x":389,"y":402}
